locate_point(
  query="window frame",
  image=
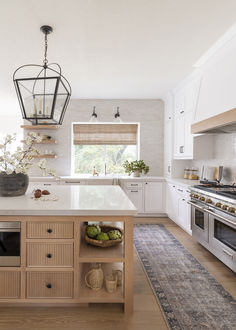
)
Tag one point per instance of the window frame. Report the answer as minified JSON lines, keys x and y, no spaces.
{"x":109,"y":123}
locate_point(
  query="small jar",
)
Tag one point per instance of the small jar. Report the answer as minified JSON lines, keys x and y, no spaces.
{"x":186,"y":173}
{"x":193,"y":174}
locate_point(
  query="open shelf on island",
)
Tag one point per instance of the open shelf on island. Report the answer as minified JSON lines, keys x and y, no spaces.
{"x":92,"y":253}
{"x":102,"y":296}
{"x":43,"y":142}
{"x":40,"y":126}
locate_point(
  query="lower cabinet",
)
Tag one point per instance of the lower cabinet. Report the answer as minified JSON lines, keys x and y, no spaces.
{"x":136,"y":197}
{"x":177,"y":207}
{"x":49,"y":284}
{"x":10,"y":284}
{"x":147,"y":196}
{"x":63,"y":268}
{"x":153,"y":197}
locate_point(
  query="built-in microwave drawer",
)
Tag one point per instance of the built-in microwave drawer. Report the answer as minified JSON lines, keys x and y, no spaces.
{"x":50,"y":229}
{"x":49,"y":284}
{"x":49,"y":254}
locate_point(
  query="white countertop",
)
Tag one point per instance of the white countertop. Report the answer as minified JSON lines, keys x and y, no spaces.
{"x":183,"y":182}
{"x":73,"y":200}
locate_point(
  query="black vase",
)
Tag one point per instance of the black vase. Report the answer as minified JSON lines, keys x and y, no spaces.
{"x":14,"y":184}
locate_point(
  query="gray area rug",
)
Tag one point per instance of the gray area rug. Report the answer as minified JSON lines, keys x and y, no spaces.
{"x":189,"y":296}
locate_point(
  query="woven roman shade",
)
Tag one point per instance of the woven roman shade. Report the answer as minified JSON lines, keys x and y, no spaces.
{"x":118,"y":134}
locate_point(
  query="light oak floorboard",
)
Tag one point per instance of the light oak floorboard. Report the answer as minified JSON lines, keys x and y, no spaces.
{"x":147,"y":313}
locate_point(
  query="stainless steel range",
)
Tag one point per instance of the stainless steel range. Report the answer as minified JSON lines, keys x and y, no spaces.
{"x":213,"y":220}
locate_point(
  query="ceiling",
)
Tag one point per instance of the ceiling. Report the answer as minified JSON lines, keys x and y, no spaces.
{"x":110,"y":48}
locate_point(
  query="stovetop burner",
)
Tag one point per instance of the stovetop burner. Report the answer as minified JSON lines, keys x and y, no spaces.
{"x":224,"y":190}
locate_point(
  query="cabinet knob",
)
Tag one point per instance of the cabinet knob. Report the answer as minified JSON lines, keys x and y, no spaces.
{"x":146,"y":183}
{"x":49,"y":286}
{"x":49,"y":256}
{"x":49,"y":230}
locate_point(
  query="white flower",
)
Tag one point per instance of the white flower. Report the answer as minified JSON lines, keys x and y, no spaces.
{"x":9,"y":171}
{"x":38,"y":139}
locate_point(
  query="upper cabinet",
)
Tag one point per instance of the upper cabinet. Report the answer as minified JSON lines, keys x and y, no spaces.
{"x":185,"y":100}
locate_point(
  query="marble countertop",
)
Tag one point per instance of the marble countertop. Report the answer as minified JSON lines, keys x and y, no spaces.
{"x":72,"y":200}
{"x":183,"y":182}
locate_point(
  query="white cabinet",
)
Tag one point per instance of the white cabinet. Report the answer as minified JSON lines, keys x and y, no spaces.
{"x":168,"y":148}
{"x":153,"y":199}
{"x":136,"y":197}
{"x":185,"y":105}
{"x":168,"y":136}
{"x":148,"y":196}
{"x":177,"y":207}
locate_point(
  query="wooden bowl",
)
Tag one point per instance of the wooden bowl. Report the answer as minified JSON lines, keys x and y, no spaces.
{"x":104,"y":244}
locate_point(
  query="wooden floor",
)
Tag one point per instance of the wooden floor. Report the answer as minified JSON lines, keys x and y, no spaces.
{"x":147,"y":314}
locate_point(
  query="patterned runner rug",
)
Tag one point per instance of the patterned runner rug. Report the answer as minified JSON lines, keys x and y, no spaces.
{"x":189,"y":296}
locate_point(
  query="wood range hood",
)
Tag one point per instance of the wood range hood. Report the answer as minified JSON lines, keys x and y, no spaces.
{"x":223,"y":123}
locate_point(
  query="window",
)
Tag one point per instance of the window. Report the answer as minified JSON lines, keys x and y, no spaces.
{"x":105,"y":146}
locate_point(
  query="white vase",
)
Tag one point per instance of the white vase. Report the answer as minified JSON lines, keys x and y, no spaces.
{"x":136,"y":173}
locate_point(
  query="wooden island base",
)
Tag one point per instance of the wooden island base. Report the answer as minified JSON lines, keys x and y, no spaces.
{"x":55,"y":259}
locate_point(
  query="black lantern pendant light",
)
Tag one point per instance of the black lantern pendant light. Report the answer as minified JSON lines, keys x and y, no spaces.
{"x":44,"y":97}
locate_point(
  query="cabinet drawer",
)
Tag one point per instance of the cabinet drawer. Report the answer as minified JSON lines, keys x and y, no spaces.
{"x":50,"y":254}
{"x":10,"y":284}
{"x":49,"y":285}
{"x":50,"y":230}
{"x":134,"y":184}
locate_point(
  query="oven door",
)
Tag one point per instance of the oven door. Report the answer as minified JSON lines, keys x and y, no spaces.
{"x":200,"y":223}
{"x":223,"y":237}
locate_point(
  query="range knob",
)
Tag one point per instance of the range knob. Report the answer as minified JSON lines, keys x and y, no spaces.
{"x":224,"y":207}
{"x":209,"y":201}
{"x":232,"y":209}
{"x":202,"y":198}
{"x":195,"y":196}
{"x":218,"y":204}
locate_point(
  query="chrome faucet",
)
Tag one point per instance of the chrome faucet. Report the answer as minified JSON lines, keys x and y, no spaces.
{"x":105,"y":169}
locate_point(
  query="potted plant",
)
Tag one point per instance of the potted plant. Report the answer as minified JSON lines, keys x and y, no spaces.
{"x":136,"y":167}
{"x":15,"y":165}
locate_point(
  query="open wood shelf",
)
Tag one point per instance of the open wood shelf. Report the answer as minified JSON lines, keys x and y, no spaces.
{"x":45,"y":156}
{"x":40,"y":126}
{"x":43,"y":142}
{"x":90,"y":253}
{"x":88,"y":295}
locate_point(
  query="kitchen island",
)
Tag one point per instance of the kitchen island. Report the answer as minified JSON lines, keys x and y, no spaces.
{"x":54,"y":256}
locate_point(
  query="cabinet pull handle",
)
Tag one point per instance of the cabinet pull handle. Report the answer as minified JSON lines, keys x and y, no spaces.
{"x":47,"y":184}
{"x":182,"y":111}
{"x":168,"y":168}
{"x":49,"y":230}
{"x":49,"y":285}
{"x":134,"y":184}
{"x":134,"y":190}
{"x":49,"y":256}
{"x":180,"y":190}
{"x":228,"y":254}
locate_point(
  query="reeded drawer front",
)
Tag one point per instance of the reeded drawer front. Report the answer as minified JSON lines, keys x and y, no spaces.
{"x":9,"y":284}
{"x":50,"y":254}
{"x":49,"y":285}
{"x":50,"y":230}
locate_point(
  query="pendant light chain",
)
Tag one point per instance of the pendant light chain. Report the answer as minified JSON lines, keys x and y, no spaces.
{"x":45,"y":61}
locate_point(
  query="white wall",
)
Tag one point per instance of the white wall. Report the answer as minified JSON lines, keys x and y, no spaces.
{"x":149,"y":113}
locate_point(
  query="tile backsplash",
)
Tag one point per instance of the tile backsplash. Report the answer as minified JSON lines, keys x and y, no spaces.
{"x":224,"y":153}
